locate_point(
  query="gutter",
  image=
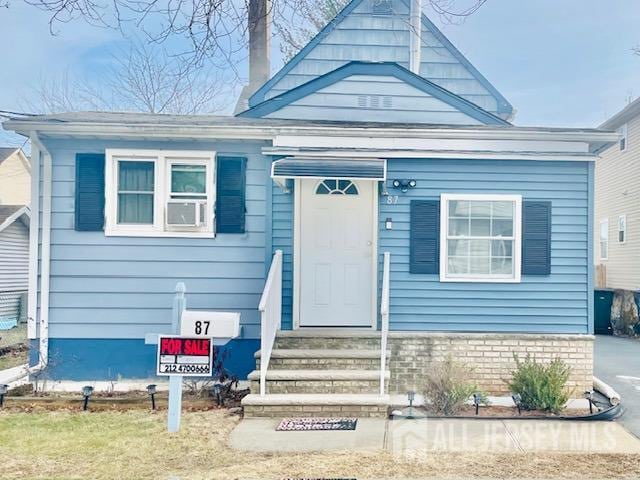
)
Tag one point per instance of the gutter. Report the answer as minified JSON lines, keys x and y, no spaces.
{"x":268,"y":132}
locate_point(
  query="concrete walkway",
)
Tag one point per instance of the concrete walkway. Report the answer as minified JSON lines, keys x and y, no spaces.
{"x":406,"y":437}
{"x":260,"y":435}
{"x":417,"y":437}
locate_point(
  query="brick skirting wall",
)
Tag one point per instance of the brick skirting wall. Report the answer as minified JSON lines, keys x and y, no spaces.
{"x":489,"y":356}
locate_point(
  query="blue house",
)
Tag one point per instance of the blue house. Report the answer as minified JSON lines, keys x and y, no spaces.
{"x":370,"y":211}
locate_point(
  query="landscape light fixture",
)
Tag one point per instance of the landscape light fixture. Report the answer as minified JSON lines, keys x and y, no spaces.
{"x":87,"y":391}
{"x":589,"y":396}
{"x":3,"y":391}
{"x":216,"y":390}
{"x":151,"y":390}
{"x":477,"y":398}
{"x":411,"y":395}
{"x":517,"y":399}
{"x":404,"y":184}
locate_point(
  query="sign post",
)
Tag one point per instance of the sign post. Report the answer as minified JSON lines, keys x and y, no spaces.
{"x":175,"y":381}
{"x":189,"y":350}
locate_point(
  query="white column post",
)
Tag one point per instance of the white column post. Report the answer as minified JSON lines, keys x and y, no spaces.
{"x":175,"y":381}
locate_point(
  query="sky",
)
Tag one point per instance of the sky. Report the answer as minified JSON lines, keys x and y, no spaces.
{"x":560,"y":63}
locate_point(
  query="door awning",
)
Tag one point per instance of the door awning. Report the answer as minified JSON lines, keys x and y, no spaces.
{"x":314,"y":167}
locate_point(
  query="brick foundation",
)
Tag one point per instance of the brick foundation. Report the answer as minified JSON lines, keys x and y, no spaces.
{"x":489,"y":355}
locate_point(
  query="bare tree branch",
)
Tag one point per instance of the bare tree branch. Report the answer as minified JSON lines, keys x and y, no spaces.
{"x":215,"y":31}
{"x":142,"y":79}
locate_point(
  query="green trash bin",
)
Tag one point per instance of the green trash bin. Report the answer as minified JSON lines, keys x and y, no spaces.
{"x":602,"y":321}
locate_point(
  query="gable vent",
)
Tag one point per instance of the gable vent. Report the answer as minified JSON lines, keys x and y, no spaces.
{"x":381,"y":7}
{"x":375,"y":101}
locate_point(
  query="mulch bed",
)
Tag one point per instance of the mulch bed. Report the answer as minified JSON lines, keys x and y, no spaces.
{"x":493,"y":411}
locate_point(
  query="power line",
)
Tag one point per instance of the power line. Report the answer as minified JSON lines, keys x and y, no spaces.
{"x":4,"y":113}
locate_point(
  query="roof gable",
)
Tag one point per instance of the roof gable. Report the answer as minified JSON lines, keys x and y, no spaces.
{"x":361,"y":90}
{"x":359,"y":34}
{"x":9,"y":214}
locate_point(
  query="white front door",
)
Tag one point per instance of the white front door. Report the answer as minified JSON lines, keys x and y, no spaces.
{"x":336,"y":253}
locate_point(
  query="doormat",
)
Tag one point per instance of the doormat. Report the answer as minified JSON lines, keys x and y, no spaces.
{"x":308,"y":424}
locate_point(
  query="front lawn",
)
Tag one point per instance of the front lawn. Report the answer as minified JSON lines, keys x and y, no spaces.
{"x":14,"y":349}
{"x":134,"y":444}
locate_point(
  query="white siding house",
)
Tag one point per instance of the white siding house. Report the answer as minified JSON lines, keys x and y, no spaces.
{"x":15,"y":177}
{"x":617,"y":204}
{"x":14,"y":262}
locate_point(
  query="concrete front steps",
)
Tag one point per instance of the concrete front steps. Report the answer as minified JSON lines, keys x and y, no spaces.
{"x":320,"y":372}
{"x":316,"y":405}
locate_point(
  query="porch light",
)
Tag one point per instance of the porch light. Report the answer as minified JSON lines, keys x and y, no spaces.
{"x":151,"y":390}
{"x":517,"y":400}
{"x":216,"y":391}
{"x":589,"y":396}
{"x":477,"y":398}
{"x":87,"y":391}
{"x":404,"y":184}
{"x":411,"y":395}
{"x":3,"y":391}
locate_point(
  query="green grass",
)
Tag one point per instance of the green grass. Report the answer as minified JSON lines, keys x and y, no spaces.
{"x":135,"y":445}
{"x":12,"y":338}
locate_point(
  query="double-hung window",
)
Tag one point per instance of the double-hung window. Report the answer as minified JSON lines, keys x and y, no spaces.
{"x":480,"y":238}
{"x":604,"y":239}
{"x":159,"y":193}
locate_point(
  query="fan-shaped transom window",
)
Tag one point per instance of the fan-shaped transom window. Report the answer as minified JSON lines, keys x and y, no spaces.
{"x":336,"y":187}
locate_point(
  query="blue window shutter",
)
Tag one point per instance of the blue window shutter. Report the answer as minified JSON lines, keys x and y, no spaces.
{"x":424,"y":241}
{"x":89,"y":208}
{"x":230,"y":194}
{"x":536,"y":238}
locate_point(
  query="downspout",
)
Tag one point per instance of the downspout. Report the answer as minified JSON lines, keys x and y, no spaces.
{"x":415,"y":37}
{"x":39,"y":154}
{"x":45,"y":267}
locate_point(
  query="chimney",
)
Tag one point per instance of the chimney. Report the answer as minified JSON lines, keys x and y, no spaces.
{"x":415,"y":39}
{"x":259,"y":51}
{"x":259,"y":43}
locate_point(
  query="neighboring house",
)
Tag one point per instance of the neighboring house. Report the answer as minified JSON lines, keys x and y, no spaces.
{"x":413,"y":219}
{"x":617,"y":212}
{"x":14,"y":262}
{"x":15,"y":177}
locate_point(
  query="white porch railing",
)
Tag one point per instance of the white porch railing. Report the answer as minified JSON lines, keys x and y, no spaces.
{"x":384,"y":318}
{"x":270,"y":316}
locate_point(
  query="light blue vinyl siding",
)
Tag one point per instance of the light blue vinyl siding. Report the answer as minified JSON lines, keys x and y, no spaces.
{"x":368,"y":97}
{"x":558,"y":303}
{"x":122,"y":287}
{"x":282,"y":221}
{"x":366,"y":37}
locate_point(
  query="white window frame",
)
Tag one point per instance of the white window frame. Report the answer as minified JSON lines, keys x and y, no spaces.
{"x":163,"y":159}
{"x":624,"y":231}
{"x":445,"y":198}
{"x":623,"y":131}
{"x":603,"y":221}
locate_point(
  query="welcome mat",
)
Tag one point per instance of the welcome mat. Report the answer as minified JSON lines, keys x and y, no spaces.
{"x":309,"y":424}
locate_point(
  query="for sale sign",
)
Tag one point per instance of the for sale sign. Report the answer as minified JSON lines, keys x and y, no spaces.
{"x":189,"y":356}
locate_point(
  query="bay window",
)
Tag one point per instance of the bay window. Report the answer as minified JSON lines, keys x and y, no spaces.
{"x":480,"y":238}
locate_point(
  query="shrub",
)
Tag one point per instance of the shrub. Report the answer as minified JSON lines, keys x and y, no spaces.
{"x":541,"y":386}
{"x":447,"y":386}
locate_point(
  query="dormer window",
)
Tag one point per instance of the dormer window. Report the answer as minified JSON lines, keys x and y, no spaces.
{"x":381,"y":7}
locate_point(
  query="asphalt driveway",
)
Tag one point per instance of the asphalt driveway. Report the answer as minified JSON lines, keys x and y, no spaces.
{"x":617,"y":362}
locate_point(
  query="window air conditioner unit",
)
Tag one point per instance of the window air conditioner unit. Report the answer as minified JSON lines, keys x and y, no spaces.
{"x":185,"y":213}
